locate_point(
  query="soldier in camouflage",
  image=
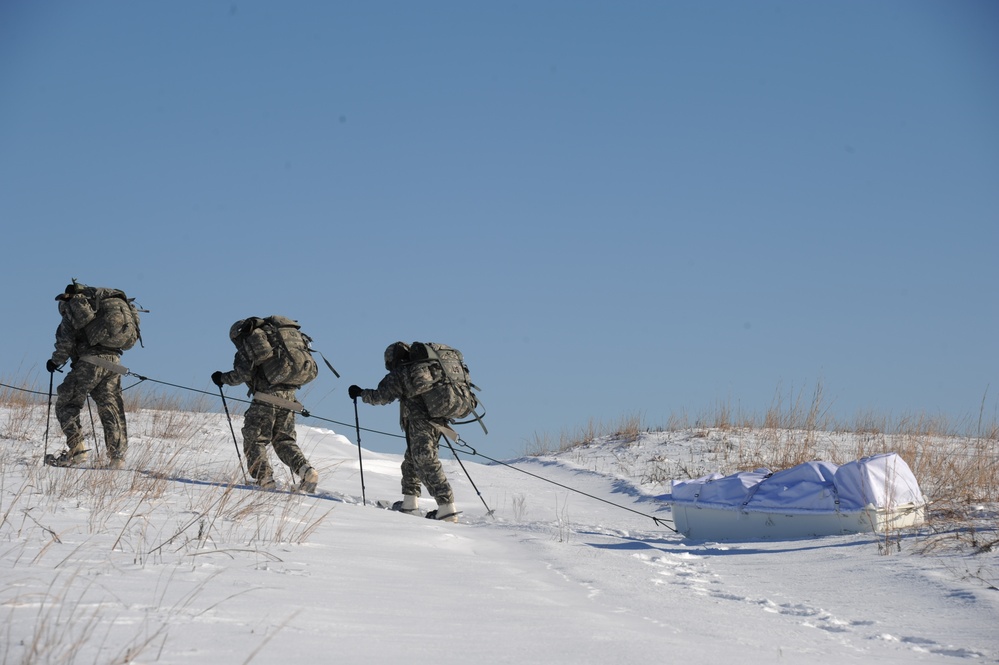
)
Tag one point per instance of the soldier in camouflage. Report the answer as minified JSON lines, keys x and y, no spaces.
{"x":85,"y":378}
{"x":265,"y":424}
{"x":407,"y":382}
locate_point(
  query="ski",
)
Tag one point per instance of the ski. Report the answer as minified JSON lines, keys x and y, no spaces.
{"x":58,"y":461}
{"x":52,"y":460}
{"x":432,"y":515}
{"x":318,"y":494}
{"x":396,"y":506}
{"x":392,"y":505}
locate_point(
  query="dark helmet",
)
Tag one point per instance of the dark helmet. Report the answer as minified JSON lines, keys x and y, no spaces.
{"x":71,"y":290}
{"x":396,"y":354}
{"x":238,"y":330}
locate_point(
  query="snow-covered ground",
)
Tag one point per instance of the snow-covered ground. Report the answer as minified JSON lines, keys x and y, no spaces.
{"x":125,"y":566}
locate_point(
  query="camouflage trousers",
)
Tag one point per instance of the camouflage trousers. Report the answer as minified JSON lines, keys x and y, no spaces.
{"x":421,"y":464}
{"x":105,"y":387}
{"x":266,"y":424}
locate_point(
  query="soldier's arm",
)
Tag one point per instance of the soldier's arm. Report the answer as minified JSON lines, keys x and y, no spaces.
{"x":389,"y":389}
{"x":65,"y":341}
{"x":242,"y":370}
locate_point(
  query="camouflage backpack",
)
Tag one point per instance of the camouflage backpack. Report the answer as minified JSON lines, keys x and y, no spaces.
{"x":107,"y":317}
{"x":278,"y":347}
{"x":451,"y":396}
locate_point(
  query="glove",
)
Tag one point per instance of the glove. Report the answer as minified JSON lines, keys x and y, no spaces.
{"x":355,"y":391}
{"x":217,"y":378}
{"x":50,"y":366}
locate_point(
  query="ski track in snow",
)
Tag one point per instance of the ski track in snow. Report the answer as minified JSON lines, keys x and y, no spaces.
{"x":693,"y":572}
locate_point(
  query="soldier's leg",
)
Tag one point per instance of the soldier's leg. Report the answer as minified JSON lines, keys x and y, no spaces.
{"x":287,"y":449}
{"x":410,"y":475}
{"x":111,"y":409}
{"x":423,"y":439}
{"x":257,"y":426}
{"x":284,"y":441}
{"x":72,"y":394}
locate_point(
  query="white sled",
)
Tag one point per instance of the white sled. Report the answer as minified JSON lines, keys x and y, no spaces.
{"x":874,"y":494}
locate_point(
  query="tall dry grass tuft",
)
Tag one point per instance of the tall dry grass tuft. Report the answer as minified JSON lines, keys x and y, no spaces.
{"x":789,"y":433}
{"x":21,"y":421}
{"x":25,"y":405}
{"x":139,"y":399}
{"x":21,"y":392}
{"x":625,"y":430}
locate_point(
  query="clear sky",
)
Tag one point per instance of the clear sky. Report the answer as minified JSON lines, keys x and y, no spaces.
{"x":612,"y":208}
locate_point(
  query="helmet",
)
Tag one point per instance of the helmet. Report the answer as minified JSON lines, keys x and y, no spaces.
{"x":238,"y":330}
{"x":396,"y":354}
{"x":72,"y":289}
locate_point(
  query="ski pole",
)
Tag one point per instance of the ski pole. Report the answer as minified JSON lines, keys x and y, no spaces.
{"x":360,"y":463}
{"x":489,"y":511}
{"x":93,"y":425}
{"x":234,"y":442}
{"x":48,"y":416}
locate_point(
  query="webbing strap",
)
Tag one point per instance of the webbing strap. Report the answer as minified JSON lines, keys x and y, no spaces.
{"x":274,"y":400}
{"x":106,"y":364}
{"x":476,"y":417}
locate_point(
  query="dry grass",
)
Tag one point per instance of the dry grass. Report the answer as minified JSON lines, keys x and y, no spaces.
{"x":626,"y":429}
{"x":67,"y":620}
{"x":21,"y":420}
{"x":138,"y":398}
{"x":149,"y":519}
{"x":123,"y":503}
{"x":957,"y":464}
{"x":26,"y":403}
{"x":23,"y":393}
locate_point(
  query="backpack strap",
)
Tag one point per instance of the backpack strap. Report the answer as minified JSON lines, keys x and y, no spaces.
{"x":284,"y":322}
{"x":138,"y":308}
{"x":335,"y":373}
{"x":476,"y":417}
{"x":446,"y":431}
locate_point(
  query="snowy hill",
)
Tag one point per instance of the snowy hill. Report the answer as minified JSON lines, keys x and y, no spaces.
{"x":165,"y":562}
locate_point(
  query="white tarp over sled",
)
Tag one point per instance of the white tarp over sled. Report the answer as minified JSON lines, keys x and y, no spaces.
{"x":877,"y":494}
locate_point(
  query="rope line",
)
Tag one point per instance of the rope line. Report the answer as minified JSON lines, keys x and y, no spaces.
{"x":305,"y":414}
{"x":469,"y":450}
{"x":23,"y":390}
{"x":466,"y":448}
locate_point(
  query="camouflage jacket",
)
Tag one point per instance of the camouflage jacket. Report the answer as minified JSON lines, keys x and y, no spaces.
{"x":405,"y":384}
{"x":244,"y":371}
{"x":70,"y":340}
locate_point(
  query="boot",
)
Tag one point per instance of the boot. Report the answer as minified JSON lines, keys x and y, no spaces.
{"x":410,"y":505}
{"x":446,"y":512}
{"x":310,"y":478}
{"x":69,"y":458}
{"x":262,"y":474}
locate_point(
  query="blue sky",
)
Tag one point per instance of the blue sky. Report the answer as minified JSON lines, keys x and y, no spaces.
{"x":612,"y":208}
